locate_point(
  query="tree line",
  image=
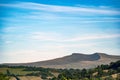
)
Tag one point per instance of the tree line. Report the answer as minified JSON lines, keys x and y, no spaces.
{"x":101,"y":72}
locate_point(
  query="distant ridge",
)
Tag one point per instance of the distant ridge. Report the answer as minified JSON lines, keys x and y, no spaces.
{"x":76,"y":61}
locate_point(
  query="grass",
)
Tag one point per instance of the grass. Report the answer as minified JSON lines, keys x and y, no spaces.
{"x":27,"y":78}
{"x":17,"y":71}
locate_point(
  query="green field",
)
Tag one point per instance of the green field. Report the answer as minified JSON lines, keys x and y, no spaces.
{"x":17,"y":71}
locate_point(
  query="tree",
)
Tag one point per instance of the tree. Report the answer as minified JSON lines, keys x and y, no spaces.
{"x":61,"y":77}
{"x":8,"y":72}
{"x":54,"y":78}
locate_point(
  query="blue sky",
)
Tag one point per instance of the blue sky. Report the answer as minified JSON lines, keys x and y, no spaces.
{"x":36,"y":30}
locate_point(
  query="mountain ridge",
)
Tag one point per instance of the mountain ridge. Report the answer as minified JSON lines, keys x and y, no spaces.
{"x":76,"y":60}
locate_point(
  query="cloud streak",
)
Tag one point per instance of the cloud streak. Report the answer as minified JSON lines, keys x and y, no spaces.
{"x":59,"y":38}
{"x":94,"y":37}
{"x":65,"y":9}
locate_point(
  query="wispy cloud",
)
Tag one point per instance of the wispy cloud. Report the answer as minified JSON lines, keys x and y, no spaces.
{"x":93,"y":37}
{"x":44,"y":36}
{"x":76,"y":14}
{"x":61,"y":38}
{"x":74,"y":18}
{"x":66,"y":9}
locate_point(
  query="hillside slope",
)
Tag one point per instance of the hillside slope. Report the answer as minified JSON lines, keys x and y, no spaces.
{"x":76,"y":60}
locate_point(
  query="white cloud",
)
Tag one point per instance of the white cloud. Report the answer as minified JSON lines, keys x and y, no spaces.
{"x":54,"y":17}
{"x":43,"y":12}
{"x":42,"y":36}
{"x":93,"y":37}
{"x":42,"y":16}
{"x":68,"y":45}
{"x":66,"y":9}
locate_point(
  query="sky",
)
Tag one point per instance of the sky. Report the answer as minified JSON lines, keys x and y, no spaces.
{"x":36,"y":30}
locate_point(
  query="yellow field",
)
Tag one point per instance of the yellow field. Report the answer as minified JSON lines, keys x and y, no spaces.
{"x":27,"y":78}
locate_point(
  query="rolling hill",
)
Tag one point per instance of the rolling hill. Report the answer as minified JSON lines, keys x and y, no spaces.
{"x":76,"y":61}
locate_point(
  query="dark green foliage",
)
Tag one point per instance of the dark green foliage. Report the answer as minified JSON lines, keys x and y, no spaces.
{"x":33,"y":74}
{"x":114,"y":65}
{"x":8,"y":72}
{"x":54,"y":78}
{"x":4,"y":77}
{"x":87,"y":74}
{"x":44,"y":76}
{"x":43,"y":72}
{"x":3,"y":66}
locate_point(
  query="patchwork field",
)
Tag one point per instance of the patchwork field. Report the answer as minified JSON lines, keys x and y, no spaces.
{"x":101,"y":72}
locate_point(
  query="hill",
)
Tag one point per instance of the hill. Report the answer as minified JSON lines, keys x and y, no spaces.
{"x":102,"y":72}
{"x":76,"y":61}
